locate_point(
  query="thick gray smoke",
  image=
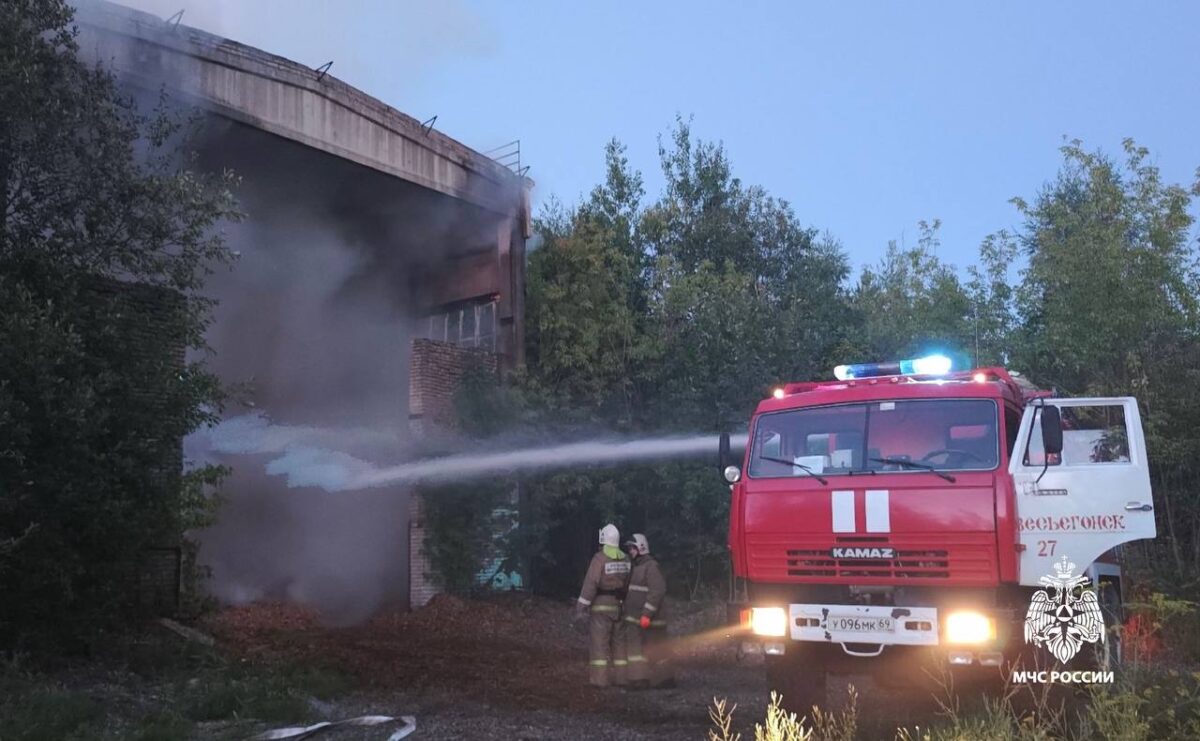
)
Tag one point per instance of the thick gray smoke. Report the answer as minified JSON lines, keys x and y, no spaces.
{"x":313,"y":326}
{"x":311,"y":331}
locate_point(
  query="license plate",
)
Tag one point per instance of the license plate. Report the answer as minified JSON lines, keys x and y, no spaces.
{"x":854,"y":624}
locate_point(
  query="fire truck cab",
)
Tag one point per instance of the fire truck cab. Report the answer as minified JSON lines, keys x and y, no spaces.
{"x":907,"y":512}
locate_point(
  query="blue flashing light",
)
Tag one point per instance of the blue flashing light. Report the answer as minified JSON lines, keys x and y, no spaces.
{"x":930,"y":365}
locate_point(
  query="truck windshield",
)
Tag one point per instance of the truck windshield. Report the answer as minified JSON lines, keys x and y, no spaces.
{"x":949,"y":435}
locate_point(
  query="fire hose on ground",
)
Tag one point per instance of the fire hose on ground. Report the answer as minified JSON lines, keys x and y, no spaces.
{"x":298,"y":732}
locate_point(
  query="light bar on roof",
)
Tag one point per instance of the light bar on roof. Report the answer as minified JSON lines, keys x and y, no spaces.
{"x":929,"y":365}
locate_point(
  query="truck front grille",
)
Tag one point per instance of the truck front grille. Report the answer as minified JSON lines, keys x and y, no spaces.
{"x":965,"y":558}
{"x":908,"y":564}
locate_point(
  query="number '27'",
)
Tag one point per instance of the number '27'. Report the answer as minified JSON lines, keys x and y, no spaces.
{"x":1046,"y":547}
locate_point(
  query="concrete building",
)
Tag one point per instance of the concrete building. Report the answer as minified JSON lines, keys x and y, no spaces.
{"x":365,"y":229}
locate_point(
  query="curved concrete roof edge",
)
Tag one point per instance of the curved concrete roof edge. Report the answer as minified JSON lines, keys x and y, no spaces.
{"x":144,"y":26}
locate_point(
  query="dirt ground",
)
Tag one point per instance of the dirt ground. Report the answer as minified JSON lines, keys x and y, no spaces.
{"x":512,"y":667}
{"x":509,"y":667}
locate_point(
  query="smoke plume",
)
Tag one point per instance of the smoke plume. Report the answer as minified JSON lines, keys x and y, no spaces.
{"x":389,"y":48}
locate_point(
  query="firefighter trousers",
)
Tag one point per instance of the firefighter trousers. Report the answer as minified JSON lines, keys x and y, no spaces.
{"x":606,"y":651}
{"x":648,"y":652}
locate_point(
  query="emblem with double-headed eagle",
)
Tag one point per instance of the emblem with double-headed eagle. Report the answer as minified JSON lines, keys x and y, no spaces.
{"x":1065,"y":618}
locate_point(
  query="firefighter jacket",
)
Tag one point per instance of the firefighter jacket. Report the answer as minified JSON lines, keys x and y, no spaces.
{"x":607,"y":577}
{"x":647,"y":589}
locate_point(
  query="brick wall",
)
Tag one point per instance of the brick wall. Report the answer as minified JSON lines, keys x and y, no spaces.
{"x":436,"y":369}
{"x":421,"y":586}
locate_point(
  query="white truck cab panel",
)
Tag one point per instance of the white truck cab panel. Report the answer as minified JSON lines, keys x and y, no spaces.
{"x":1091,"y":497}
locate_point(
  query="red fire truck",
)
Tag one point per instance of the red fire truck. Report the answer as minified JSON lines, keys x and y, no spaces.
{"x":908,"y":513}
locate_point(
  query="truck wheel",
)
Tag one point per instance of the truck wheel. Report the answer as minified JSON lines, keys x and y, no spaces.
{"x":799,"y":683}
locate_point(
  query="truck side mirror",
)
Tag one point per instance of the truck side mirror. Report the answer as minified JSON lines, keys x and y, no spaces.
{"x":725,"y":462}
{"x":1052,"y":434}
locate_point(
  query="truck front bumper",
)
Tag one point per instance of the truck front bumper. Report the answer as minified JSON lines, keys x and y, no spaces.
{"x":960,"y":637}
{"x":879,"y":625}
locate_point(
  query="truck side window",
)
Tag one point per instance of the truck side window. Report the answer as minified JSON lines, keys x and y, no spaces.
{"x":1093,"y":434}
{"x":1012,"y":425}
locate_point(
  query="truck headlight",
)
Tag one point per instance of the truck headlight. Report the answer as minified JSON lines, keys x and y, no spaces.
{"x":768,"y":621}
{"x":969,"y":626}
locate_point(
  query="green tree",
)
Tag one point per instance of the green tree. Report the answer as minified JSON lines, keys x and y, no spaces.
{"x":993,"y":301}
{"x":615,"y":208}
{"x":707,"y":215}
{"x":743,"y":294}
{"x":1109,"y":296}
{"x":586,"y":345}
{"x":912,"y":302}
{"x":99,"y":218}
{"x":720,"y":348}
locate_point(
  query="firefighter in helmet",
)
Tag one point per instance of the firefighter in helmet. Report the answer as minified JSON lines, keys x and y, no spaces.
{"x":645,"y":623}
{"x":603,"y":591}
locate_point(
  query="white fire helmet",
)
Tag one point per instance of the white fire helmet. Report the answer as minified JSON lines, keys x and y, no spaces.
{"x":609,"y":535}
{"x":642,"y":544}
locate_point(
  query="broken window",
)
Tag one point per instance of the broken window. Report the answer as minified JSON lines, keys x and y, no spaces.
{"x":466,"y":323}
{"x":487,"y":326}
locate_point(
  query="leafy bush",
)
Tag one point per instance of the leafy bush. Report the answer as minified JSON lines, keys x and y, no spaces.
{"x":99,"y":300}
{"x":1162,"y":628}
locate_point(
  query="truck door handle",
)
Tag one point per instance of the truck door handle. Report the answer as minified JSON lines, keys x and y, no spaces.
{"x":1138,"y":507}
